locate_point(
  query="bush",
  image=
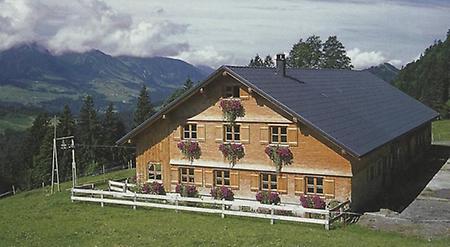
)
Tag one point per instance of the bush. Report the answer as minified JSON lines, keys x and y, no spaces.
{"x":154,"y":188}
{"x":266,"y":197}
{"x":186,"y":190}
{"x":312,"y":202}
{"x":223,"y":192}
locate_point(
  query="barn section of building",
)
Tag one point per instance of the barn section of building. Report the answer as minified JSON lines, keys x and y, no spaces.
{"x":353,"y":122}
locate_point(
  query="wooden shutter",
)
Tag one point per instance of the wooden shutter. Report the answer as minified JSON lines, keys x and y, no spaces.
{"x":174,"y":179}
{"x":264,"y":135}
{"x":177,"y":134}
{"x":198,"y":177}
{"x":299,"y":183}
{"x":292,"y":134}
{"x":219,"y":133}
{"x":209,"y":178}
{"x":201,"y":132}
{"x":245,"y":133}
{"x":282,"y":184}
{"x":254,"y":183}
{"x":234,"y":180}
{"x":328,"y":188}
{"x":243,"y":94}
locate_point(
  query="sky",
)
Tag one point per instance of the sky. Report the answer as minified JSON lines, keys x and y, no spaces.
{"x":213,"y":33}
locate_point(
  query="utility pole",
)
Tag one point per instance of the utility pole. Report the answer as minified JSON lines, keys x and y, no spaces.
{"x":55,"y":167}
{"x":71,"y":146}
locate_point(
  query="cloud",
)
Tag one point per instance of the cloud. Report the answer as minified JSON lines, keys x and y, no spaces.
{"x":208,"y":55}
{"x":83,"y":25}
{"x":364,"y":59}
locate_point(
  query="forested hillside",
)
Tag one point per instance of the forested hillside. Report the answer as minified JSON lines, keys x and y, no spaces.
{"x":428,"y":78}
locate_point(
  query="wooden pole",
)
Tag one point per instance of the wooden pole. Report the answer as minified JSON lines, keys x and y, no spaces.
{"x":223,"y":208}
{"x":271,"y":214}
{"x":13,"y":189}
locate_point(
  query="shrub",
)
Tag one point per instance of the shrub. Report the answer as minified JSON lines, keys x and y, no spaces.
{"x":279,"y":155}
{"x":231,"y":109}
{"x":312,"y":202}
{"x":191,"y":150}
{"x":223,"y":192}
{"x":186,"y":190}
{"x":153,"y":188}
{"x":232,"y":152}
{"x":132,"y":180}
{"x":266,"y":197}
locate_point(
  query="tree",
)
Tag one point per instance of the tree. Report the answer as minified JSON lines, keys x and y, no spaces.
{"x":42,"y":161}
{"x":188,"y":84}
{"x":268,"y":62}
{"x":66,"y":127}
{"x":256,"y":62}
{"x":88,"y":136}
{"x":144,"y":108}
{"x":112,"y":130}
{"x":306,"y":54}
{"x":334,"y":55}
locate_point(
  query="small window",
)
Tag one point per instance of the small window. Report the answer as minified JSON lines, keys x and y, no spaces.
{"x":190,"y":131}
{"x":232,"y":133}
{"x":222,"y":178}
{"x":314,"y":185}
{"x":187,"y":175}
{"x":232,"y":92}
{"x":268,"y":182}
{"x":154,"y":171}
{"x":278,"y":134}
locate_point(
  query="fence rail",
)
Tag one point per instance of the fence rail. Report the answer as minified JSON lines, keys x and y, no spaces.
{"x":243,"y":208}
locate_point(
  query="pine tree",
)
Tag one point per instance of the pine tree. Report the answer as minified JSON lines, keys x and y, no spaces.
{"x":144,"y":108}
{"x":268,"y":62}
{"x":334,"y":55}
{"x":256,"y":62}
{"x":306,"y":54}
{"x":88,"y":136}
{"x":66,"y":127}
{"x":188,"y":84}
{"x":112,"y":130}
{"x":42,"y":161}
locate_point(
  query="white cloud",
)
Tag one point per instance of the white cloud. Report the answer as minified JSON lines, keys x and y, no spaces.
{"x":364,"y":59}
{"x":84,"y":25}
{"x":208,"y":55}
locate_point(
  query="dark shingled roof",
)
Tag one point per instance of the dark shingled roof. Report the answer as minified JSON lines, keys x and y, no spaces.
{"x":355,"y":109}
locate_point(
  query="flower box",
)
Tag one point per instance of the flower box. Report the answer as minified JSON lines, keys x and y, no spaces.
{"x":266,"y":197}
{"x":280,"y":155}
{"x":232,"y":109}
{"x":186,"y":190}
{"x":223,"y":192}
{"x":232,"y":152}
{"x":190,"y":149}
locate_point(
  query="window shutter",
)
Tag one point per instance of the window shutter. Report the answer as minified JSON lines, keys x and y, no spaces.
{"x":174,"y":175}
{"x":299,"y":183}
{"x":254,"y":183}
{"x":282,"y":184}
{"x":234,"y":180}
{"x":328,"y":188}
{"x":219,"y":133}
{"x":245,"y":133}
{"x":209,"y":178}
{"x":198,"y":177}
{"x":292,"y":134}
{"x":264,"y":135}
{"x":243,"y":94}
{"x":201,"y":132}
{"x":177,"y":134}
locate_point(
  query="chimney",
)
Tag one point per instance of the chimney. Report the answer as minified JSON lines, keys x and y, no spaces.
{"x":281,"y":64}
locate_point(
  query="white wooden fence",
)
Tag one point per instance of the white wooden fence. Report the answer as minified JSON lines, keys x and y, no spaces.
{"x":237,"y":207}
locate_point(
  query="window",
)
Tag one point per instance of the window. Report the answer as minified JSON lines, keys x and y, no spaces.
{"x":232,"y":133}
{"x":154,"y":171}
{"x":232,"y":92}
{"x":222,"y":178}
{"x":187,"y":175}
{"x":190,"y":131}
{"x":278,"y":134}
{"x":268,"y":181}
{"x":314,"y":185}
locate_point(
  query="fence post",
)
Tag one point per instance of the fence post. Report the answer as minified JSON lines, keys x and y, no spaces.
{"x":13,"y":189}
{"x":101,"y":197}
{"x":271,"y":214}
{"x":125,"y":187}
{"x":223,"y":208}
{"x":134,"y":206}
{"x":71,"y":194}
{"x":341,"y":213}
{"x":176,"y":203}
{"x":327,"y":220}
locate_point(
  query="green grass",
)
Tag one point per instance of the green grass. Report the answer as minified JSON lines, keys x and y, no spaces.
{"x":441,"y":130}
{"x":15,"y":121}
{"x":36,"y":218}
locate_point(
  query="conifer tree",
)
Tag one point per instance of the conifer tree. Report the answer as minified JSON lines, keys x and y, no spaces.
{"x":88,"y":136}
{"x":66,"y":127}
{"x":42,"y":161}
{"x":334,"y":55}
{"x":144,"y":108}
{"x":268,"y":62}
{"x":256,"y":62}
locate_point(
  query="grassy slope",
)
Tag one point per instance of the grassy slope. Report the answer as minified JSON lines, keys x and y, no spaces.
{"x":36,"y":218}
{"x":15,"y":121}
{"x":441,"y":130}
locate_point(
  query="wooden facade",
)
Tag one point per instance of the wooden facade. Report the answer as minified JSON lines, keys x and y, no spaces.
{"x":319,"y":166}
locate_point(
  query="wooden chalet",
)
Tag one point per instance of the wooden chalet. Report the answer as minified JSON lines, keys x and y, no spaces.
{"x":349,"y":132}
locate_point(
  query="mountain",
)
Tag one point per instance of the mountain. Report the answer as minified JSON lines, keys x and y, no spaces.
{"x":385,"y":71}
{"x":428,"y":78}
{"x":31,"y":75}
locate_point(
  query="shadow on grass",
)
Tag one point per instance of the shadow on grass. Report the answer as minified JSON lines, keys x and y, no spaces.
{"x":408,"y":184}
